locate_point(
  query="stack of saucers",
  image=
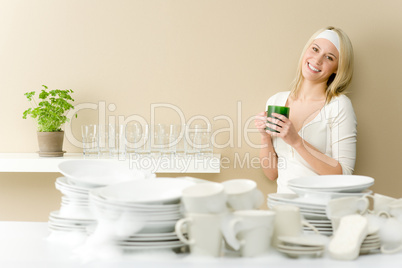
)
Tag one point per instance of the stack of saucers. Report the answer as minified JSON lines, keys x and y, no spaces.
{"x":305,"y":245}
{"x":139,"y":214}
{"x":371,"y":244}
{"x":74,"y":213}
{"x":312,"y":195}
{"x":80,"y":177}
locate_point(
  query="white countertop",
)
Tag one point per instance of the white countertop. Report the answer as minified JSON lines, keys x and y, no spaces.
{"x":31,"y":162}
{"x":25,"y":244}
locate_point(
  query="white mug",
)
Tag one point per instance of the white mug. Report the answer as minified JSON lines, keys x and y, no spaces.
{"x":395,"y":208}
{"x":380,"y":202}
{"x":242,"y":194}
{"x":288,"y":222}
{"x":204,"y":233}
{"x":391,"y":236}
{"x":340,"y":207}
{"x":204,"y":198}
{"x":250,"y":231}
{"x":343,"y":206}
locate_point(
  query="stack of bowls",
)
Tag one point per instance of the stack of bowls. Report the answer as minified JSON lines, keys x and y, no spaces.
{"x":80,"y":176}
{"x":312,"y":194}
{"x":139,"y":214}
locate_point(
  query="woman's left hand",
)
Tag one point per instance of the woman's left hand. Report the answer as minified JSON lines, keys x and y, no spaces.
{"x":285,"y":128}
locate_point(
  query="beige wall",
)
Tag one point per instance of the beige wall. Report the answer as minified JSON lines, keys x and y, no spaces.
{"x":204,"y":57}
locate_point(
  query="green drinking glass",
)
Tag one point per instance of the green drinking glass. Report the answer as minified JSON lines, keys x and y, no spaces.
{"x":283,"y":110}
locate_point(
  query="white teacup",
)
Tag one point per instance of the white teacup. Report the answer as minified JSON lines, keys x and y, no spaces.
{"x":204,"y":198}
{"x":288,"y":222}
{"x":391,"y":236}
{"x":346,"y":206}
{"x":395,"y":208}
{"x":250,"y":231}
{"x":204,"y":233}
{"x":340,"y":207}
{"x":380,"y":202}
{"x":242,"y":194}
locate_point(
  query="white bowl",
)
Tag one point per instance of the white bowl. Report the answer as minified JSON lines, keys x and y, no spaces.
{"x":150,"y":191}
{"x":97,"y":173}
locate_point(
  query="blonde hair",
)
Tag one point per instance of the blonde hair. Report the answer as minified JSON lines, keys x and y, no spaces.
{"x":339,"y":82}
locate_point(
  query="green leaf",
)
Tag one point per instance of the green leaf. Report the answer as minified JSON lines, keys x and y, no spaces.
{"x":50,"y":112}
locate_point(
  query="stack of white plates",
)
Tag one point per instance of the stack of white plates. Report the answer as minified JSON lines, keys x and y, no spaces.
{"x":305,"y":245}
{"x":74,"y":213}
{"x":80,"y":177}
{"x":314,"y":211}
{"x":371,"y":244}
{"x":61,"y":223}
{"x":312,"y":195}
{"x":141,"y":213}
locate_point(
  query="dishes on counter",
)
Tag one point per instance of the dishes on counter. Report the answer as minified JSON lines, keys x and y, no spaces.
{"x":137,"y":210}
{"x":141,"y":214}
{"x":312,"y":195}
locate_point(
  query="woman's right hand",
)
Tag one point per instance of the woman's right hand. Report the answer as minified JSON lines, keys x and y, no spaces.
{"x":260,"y":121}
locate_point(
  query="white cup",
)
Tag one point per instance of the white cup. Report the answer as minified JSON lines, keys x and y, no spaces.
{"x":395,"y":208}
{"x":250,"y":231}
{"x":204,"y":198}
{"x":288,"y":222}
{"x":346,"y":206}
{"x":242,"y":194}
{"x":340,"y":207}
{"x":391,"y":236}
{"x":380,"y":202}
{"x":204,"y":233}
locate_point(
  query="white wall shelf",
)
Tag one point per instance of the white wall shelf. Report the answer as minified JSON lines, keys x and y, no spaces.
{"x":31,"y":162}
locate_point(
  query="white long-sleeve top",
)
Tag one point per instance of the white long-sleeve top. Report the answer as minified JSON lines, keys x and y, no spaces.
{"x":332,"y":132}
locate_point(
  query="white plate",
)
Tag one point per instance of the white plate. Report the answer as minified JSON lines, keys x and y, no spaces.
{"x":140,"y":215}
{"x":97,"y":173}
{"x":66,"y":183}
{"x":160,"y":238}
{"x":308,"y":193}
{"x":333,"y":182}
{"x":56,"y":215}
{"x":150,"y":246}
{"x":305,"y":240}
{"x":301,"y":248}
{"x":296,"y":253}
{"x":150,"y":191}
{"x":112,"y":204}
{"x":323,"y":222}
{"x":326,"y":233}
{"x":310,"y":216}
{"x":294,"y":199}
{"x":305,"y":208}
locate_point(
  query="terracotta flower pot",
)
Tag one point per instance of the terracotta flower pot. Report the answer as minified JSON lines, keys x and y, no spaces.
{"x":51,"y":143}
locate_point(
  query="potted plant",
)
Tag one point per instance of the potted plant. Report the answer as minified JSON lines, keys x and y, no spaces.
{"x":49,"y":113}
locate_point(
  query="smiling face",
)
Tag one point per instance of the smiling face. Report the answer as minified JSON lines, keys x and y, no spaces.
{"x":320,"y":61}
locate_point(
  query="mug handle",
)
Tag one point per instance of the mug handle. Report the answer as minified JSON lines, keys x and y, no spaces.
{"x":366,"y":205}
{"x":390,"y":251}
{"x":383,"y":213}
{"x":230,"y":234}
{"x":370,"y":196}
{"x":179,"y":230}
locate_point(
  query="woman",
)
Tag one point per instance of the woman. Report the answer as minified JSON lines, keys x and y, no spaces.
{"x":319,"y":138}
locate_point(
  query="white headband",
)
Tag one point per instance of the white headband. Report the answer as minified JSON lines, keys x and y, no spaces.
{"x":331,"y":36}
